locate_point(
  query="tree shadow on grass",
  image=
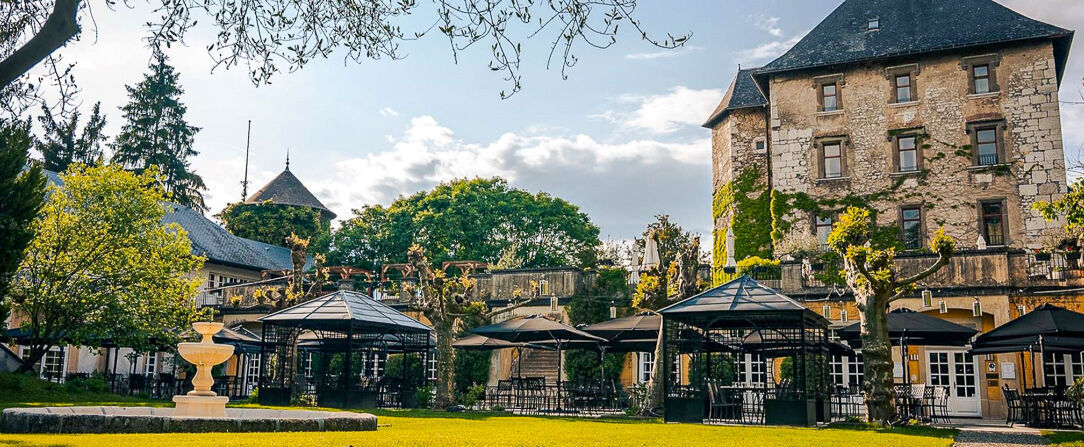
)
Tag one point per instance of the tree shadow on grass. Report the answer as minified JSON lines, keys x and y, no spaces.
{"x":917,"y":430}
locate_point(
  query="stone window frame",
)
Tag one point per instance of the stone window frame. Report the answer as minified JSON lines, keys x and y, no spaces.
{"x":968,"y":64}
{"x":999,"y":125}
{"x":1004,"y":221}
{"x":819,"y":82}
{"x":760,"y":140}
{"x":844,"y":142}
{"x":922,"y":231}
{"x":891,"y":73}
{"x":894,"y":137}
{"x":813,"y":227}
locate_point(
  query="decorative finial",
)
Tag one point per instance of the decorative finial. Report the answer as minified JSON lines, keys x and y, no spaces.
{"x":287,"y":159}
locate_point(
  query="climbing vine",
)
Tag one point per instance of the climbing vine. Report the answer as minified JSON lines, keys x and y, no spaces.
{"x":747,"y":201}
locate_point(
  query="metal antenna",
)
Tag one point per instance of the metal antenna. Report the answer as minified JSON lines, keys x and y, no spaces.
{"x":244,"y":183}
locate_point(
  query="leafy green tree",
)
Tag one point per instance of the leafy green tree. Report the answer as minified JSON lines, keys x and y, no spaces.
{"x":273,"y":223}
{"x":1070,"y":207}
{"x":479,"y":219}
{"x":156,"y":134}
{"x":873,"y":276}
{"x":23,"y":191}
{"x":63,"y":144}
{"x":103,"y":266}
{"x":592,"y":305}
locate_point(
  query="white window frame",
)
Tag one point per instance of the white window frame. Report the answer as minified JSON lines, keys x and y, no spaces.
{"x":645,"y":363}
{"x":150,"y":363}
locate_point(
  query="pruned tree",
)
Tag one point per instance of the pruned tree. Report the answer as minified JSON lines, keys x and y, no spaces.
{"x":102,"y":266}
{"x":268,"y":36}
{"x":23,"y":191}
{"x":446,"y":302}
{"x":1069,"y":207}
{"x":873,"y":276}
{"x":62,"y":144}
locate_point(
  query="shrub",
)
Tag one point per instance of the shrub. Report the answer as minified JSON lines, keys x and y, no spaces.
{"x":473,"y":395}
{"x":94,"y":384}
{"x":423,"y":397}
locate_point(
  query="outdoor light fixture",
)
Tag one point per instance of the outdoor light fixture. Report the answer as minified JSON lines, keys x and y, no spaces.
{"x":543,"y":287}
{"x":944,"y":307}
{"x":927,"y":298}
{"x":553,"y":304}
{"x":976,"y":309}
{"x":613,"y":310}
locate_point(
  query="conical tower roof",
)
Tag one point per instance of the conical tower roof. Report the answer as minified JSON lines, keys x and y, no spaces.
{"x":286,"y":189}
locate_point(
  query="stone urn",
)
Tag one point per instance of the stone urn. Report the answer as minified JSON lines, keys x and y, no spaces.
{"x":201,"y":401}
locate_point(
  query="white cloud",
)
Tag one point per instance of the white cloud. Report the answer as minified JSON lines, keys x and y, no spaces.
{"x":669,"y":112}
{"x":612,"y":182}
{"x":388,"y":111}
{"x":769,"y":24}
{"x":687,"y":49}
{"x":768,"y":50}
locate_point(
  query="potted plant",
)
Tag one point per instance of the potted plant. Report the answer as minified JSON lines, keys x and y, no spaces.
{"x":1042,"y":256}
{"x":1057,"y":273}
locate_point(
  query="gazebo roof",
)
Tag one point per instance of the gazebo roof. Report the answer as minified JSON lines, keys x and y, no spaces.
{"x":345,"y":309}
{"x":743,"y":295}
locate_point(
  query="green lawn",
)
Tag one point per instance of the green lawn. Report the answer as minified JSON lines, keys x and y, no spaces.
{"x":1065,"y":438}
{"x":429,"y":428}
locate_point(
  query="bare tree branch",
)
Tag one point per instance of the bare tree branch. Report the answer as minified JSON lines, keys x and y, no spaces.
{"x":54,"y":33}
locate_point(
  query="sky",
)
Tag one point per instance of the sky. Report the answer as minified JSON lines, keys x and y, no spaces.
{"x":620,"y":137}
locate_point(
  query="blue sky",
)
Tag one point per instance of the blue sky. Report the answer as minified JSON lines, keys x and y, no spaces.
{"x":620,"y":137}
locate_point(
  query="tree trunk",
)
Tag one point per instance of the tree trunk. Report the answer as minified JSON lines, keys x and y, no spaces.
{"x":877,"y":352}
{"x":32,"y":358}
{"x":445,"y":366}
{"x":54,"y":33}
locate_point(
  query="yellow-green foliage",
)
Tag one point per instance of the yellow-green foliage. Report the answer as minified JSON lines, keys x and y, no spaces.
{"x":444,"y":429}
{"x":747,"y":265}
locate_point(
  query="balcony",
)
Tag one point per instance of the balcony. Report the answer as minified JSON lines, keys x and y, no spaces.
{"x":993,"y":269}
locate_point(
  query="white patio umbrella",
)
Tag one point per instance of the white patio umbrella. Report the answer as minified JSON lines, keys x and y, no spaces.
{"x":651,"y":253}
{"x":730,"y":240}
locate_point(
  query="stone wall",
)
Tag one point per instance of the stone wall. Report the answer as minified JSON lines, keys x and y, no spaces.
{"x":733,"y":143}
{"x":948,"y":186}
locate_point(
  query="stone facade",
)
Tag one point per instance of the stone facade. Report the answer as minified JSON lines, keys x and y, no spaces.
{"x":948,"y":186}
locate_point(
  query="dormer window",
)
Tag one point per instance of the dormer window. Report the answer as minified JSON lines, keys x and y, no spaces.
{"x":873,"y":24}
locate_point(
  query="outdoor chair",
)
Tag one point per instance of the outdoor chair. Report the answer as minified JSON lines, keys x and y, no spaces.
{"x":940,"y":407}
{"x":504,"y":394}
{"x":1015,"y":407}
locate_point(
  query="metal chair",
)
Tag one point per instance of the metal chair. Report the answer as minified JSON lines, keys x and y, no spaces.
{"x":1016,"y":407}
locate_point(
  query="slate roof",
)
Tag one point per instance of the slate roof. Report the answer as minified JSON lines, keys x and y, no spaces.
{"x":910,"y":27}
{"x":220,"y":247}
{"x":336,"y":311}
{"x":740,"y":295}
{"x":743,"y":93}
{"x":286,"y":189}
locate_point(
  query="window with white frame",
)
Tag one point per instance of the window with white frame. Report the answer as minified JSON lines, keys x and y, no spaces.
{"x":846,"y":370}
{"x":308,"y":366}
{"x":856,"y":370}
{"x":836,"y":366}
{"x":51,"y":366}
{"x":1054,"y":370}
{"x":150,"y":365}
{"x":753,"y":370}
{"x":644,"y":367}
{"x":677,"y":368}
{"x":431,"y":365}
{"x":253,"y":367}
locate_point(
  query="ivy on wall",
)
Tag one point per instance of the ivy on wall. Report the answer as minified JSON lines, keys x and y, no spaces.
{"x":747,"y":201}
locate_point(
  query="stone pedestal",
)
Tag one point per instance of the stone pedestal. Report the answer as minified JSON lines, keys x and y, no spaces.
{"x":200,"y":406}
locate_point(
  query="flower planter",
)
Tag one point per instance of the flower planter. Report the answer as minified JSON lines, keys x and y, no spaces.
{"x":817,"y":266}
{"x":1041,"y":256}
{"x":1057,"y":275}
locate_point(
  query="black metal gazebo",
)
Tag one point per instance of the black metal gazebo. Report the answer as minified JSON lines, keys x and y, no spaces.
{"x":330,"y":349}
{"x":750,"y":318}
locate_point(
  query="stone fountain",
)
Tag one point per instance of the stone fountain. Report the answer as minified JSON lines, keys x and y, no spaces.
{"x":201,"y":410}
{"x":206,"y":354}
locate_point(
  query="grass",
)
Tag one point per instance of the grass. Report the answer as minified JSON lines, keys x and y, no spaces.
{"x":1064,"y":438}
{"x":433,"y":428}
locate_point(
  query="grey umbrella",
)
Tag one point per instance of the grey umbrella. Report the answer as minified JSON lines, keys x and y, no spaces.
{"x":537,"y":328}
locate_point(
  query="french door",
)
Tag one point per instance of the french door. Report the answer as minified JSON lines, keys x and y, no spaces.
{"x":956,"y":371}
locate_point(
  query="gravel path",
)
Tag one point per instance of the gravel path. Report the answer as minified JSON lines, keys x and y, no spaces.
{"x":979,"y":437}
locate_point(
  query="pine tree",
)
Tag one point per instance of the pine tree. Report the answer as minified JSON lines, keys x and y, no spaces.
{"x":61,"y":144}
{"x":23,"y":189}
{"x":156,"y":134}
